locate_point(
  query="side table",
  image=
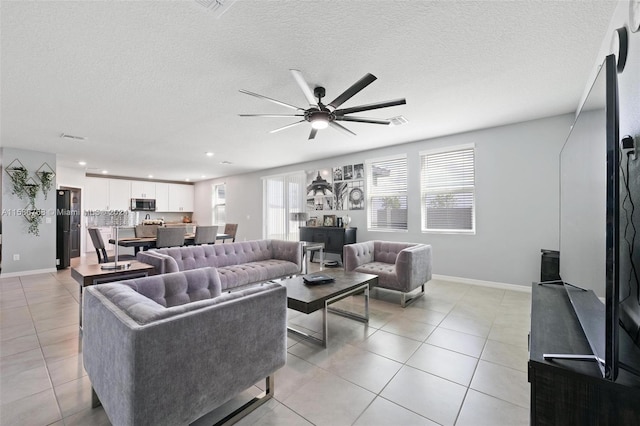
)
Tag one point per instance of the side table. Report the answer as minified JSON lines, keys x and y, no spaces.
{"x":87,"y":275}
{"x":308,"y":248}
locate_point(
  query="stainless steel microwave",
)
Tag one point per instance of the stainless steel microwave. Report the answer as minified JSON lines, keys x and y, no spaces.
{"x":143,"y":205}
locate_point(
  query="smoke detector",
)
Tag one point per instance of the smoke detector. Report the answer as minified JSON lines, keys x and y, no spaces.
{"x":218,"y":7}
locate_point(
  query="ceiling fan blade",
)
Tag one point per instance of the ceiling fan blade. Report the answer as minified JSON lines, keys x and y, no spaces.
{"x":287,"y":126}
{"x":369,"y":107}
{"x":341,"y":128}
{"x":351,"y":91}
{"x":361,"y":119}
{"x":271,"y":115}
{"x":275,"y":101}
{"x":312,"y":135}
{"x":308,"y":93}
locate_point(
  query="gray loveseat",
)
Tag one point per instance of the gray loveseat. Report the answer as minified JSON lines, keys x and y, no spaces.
{"x":399,"y":266}
{"x":167,"y":349}
{"x":238,"y":264}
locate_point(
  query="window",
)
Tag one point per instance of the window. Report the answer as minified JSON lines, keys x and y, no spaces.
{"x":283,"y":195}
{"x":447,"y":188}
{"x":218,"y":204}
{"x":387,"y":194}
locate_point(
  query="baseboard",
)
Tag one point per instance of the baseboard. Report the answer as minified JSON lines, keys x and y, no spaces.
{"x":21,"y":273}
{"x":492,"y":284}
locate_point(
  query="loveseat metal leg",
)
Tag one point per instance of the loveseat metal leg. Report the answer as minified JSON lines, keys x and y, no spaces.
{"x":247,"y":408}
{"x":404,"y":302}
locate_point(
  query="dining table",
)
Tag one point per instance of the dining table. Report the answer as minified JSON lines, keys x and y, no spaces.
{"x":146,"y":243}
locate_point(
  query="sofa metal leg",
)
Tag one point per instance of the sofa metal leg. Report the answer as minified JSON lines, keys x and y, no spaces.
{"x":95,"y":401}
{"x":247,"y":408}
{"x":404,"y":302}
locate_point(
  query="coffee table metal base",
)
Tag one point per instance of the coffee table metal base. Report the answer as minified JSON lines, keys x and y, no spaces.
{"x":353,"y":315}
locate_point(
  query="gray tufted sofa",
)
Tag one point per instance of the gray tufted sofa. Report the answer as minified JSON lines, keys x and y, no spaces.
{"x":167,"y":349}
{"x":399,"y":266}
{"x":238,"y":264}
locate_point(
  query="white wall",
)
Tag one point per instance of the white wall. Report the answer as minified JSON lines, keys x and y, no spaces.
{"x":37,"y":253}
{"x":516,"y":201}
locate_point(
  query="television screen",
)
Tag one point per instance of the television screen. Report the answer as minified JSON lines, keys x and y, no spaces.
{"x":589,"y":217}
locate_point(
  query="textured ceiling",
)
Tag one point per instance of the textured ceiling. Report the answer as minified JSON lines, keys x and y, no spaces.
{"x":153,"y":85}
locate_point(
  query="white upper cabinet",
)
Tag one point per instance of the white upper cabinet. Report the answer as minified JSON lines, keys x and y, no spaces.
{"x":162,"y":197}
{"x":96,"y":194}
{"x":142,"y":189}
{"x":180,"y":198}
{"x":107,"y":194}
{"x":119,"y":194}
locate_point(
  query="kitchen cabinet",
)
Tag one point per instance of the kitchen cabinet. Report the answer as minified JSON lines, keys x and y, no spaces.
{"x":119,"y":194}
{"x":142,"y":189}
{"x":180,"y":198}
{"x":107,"y":194}
{"x":162,"y":197}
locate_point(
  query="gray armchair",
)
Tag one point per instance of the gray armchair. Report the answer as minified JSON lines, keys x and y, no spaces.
{"x":168,"y":349}
{"x":401,"y":267}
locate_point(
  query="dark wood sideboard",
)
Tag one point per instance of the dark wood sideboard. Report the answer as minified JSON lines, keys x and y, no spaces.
{"x":334,"y":238}
{"x":565,"y":392}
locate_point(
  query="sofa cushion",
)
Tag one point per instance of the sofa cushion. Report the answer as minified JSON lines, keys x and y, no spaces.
{"x":238,"y":275}
{"x":386,"y":273}
{"x":219,"y":255}
{"x":387,"y":251}
{"x":178,"y":288}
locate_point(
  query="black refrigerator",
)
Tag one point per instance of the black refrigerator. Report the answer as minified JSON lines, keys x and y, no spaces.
{"x":63,"y":228}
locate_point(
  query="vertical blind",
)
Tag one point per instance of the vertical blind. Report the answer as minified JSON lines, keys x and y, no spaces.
{"x":387,"y":194}
{"x":447,"y":186}
{"x":282,"y":196}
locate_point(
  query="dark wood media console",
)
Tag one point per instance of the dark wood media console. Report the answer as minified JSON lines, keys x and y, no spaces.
{"x":566,"y":392}
{"x":334,"y":238}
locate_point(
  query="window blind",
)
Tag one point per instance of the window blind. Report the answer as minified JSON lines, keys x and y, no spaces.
{"x":218,"y":204}
{"x":387,"y":194}
{"x":447,"y":186}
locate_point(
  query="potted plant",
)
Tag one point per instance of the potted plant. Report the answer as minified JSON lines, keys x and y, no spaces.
{"x":46,"y":175}
{"x":34,"y":219}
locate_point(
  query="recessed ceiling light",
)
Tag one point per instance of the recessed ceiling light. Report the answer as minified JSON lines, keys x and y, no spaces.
{"x":82,"y":163}
{"x":104,"y":172}
{"x":187,"y":180}
{"x":203,"y":176}
{"x":150,"y":176}
{"x":209,"y":154}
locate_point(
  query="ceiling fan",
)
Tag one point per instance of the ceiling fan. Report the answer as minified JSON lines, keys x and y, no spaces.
{"x":322,"y":116}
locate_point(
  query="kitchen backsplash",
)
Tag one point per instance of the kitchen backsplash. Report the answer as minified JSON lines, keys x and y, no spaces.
{"x":109,"y":218}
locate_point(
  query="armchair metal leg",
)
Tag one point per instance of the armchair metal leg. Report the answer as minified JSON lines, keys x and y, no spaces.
{"x":95,"y":401}
{"x":247,"y":408}
{"x":404,"y":302}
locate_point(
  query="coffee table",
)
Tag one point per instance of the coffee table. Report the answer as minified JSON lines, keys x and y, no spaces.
{"x":310,"y":298}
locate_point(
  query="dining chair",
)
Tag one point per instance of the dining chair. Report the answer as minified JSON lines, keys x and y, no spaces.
{"x":170,"y":237}
{"x":205,"y":235}
{"x":231,"y":229}
{"x":146,"y":231}
{"x":101,"y":251}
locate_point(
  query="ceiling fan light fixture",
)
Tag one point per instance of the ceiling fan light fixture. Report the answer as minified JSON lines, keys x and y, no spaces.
{"x":319,"y":122}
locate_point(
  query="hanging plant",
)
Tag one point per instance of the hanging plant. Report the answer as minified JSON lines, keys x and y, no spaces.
{"x":34,"y":219}
{"x":46,"y":174}
{"x":31,"y":188}
{"x":19,"y":176}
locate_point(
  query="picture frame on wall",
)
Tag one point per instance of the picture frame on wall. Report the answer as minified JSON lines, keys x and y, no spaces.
{"x":329,"y":220}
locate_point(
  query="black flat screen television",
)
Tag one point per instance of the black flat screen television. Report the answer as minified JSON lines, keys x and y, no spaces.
{"x":589,"y":218}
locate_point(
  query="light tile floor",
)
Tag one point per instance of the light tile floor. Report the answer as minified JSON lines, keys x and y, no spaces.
{"x":458,"y":355}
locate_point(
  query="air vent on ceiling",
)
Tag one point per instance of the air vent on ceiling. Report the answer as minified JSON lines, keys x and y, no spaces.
{"x":398,"y":121}
{"x":218,"y":7}
{"x":76,"y":138}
